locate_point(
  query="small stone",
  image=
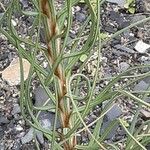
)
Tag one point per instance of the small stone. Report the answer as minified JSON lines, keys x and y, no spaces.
{"x":13,"y":22}
{"x":16,"y":117}
{"x":18,"y":128}
{"x":3,"y":120}
{"x":124,"y":48}
{"x":113,"y":15}
{"x":39,"y":136}
{"x":114,"y":113}
{"x":104,"y":59}
{"x":141,"y":5}
{"x":77,"y":8}
{"x":123,"y":66}
{"x":2,"y":146}
{"x":144,"y":58}
{"x":147,"y":5}
{"x":72,"y":34}
{"x":141,"y":47}
{"x":110,"y":29}
{"x":47,"y":120}
{"x":3,"y":56}
{"x":141,"y":86}
{"x":40,"y":96}
{"x":145,"y":113}
{"x":121,"y":3}
{"x":16,"y":109}
{"x":80,"y":17}
{"x":20,"y":135}
{"x":24,"y":3}
{"x":12,"y":73}
{"x":28,"y":137}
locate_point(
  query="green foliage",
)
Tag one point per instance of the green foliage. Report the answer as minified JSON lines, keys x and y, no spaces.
{"x":65,"y":95}
{"x":130,"y":6}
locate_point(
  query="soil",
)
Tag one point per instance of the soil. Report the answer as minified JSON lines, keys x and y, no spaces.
{"x":117,"y":56}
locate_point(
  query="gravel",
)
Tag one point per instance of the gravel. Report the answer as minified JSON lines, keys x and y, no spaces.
{"x":141,"y":86}
{"x":80,"y":17}
{"x":28,"y":137}
{"x":119,"y":2}
{"x":16,"y":109}
{"x":3,"y":120}
{"x":117,"y":57}
{"x":123,"y":66}
{"x":113,"y":114}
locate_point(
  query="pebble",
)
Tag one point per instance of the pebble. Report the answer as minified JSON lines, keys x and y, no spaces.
{"x":123,"y":66}
{"x":24,"y":3}
{"x":114,"y":113}
{"x":16,"y":109}
{"x":3,"y":120}
{"x":145,"y":113}
{"x":12,"y":73}
{"x":115,"y":16}
{"x":28,"y":137}
{"x":124,"y":48}
{"x":2,"y":146}
{"x":141,"y":5}
{"x":80,"y":17}
{"x":3,"y":56}
{"x":144,"y":58}
{"x":147,"y":5}
{"x":141,"y":86}
{"x":77,"y":8}
{"x":39,"y":136}
{"x":110,"y":29}
{"x":18,"y":128}
{"x":14,"y":23}
{"x":141,"y":47}
{"x":46,"y":120}
{"x":121,"y":3}
{"x":40,"y":96}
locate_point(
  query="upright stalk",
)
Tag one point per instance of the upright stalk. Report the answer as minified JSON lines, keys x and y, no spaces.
{"x":54,"y":50}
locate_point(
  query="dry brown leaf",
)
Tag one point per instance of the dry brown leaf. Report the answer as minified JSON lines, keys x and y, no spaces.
{"x":12,"y":73}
